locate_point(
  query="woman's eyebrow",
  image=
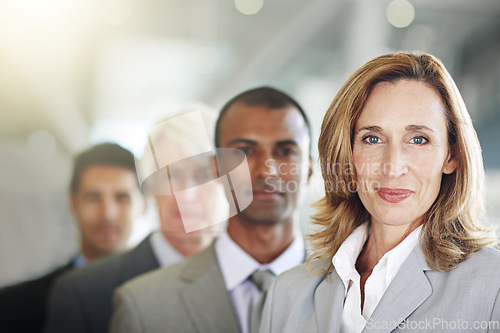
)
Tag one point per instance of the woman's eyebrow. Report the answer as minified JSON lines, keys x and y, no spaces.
{"x":410,"y":128}
{"x":370,"y":128}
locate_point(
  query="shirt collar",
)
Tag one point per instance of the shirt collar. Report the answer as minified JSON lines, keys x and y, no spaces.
{"x":80,"y":260}
{"x":344,"y":260}
{"x":237,"y":265}
{"x":398,"y":255}
{"x":163,"y":251}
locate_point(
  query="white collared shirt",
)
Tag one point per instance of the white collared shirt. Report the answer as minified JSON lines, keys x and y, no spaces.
{"x":237,"y":266}
{"x":344,"y":261}
{"x":163,"y":251}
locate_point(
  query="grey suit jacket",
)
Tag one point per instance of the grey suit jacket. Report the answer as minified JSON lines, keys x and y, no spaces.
{"x":81,"y":301}
{"x":190,"y":296}
{"x":419,"y":299}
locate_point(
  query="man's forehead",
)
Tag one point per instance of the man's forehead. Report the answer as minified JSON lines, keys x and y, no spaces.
{"x":106,"y":189}
{"x":107,"y":176}
{"x":249,"y":110}
{"x":249,"y":119}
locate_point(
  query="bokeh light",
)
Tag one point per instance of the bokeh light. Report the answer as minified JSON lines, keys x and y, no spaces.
{"x":400,"y":13}
{"x":249,"y":7}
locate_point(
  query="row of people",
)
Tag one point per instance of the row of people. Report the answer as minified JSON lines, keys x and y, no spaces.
{"x":81,"y":301}
{"x":399,"y":239}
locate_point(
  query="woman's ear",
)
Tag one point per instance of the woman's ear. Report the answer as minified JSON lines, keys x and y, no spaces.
{"x":451,"y":163}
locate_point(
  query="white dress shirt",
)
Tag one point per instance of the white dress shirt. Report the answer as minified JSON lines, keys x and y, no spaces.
{"x":344,"y":261}
{"x":237,"y":266}
{"x":163,"y":251}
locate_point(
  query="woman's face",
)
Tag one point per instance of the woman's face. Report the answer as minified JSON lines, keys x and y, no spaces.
{"x":401,"y":151}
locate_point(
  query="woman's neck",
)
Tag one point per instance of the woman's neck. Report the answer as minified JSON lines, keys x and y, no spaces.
{"x":382,"y":239}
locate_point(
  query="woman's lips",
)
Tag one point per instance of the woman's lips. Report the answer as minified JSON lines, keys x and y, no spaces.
{"x":393,"y":195}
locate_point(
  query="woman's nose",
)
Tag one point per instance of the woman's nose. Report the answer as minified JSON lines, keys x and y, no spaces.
{"x":394,"y":162}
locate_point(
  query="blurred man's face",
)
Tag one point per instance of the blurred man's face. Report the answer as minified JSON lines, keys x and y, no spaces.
{"x":198,"y":202}
{"x":276,"y":145}
{"x":105,"y":204}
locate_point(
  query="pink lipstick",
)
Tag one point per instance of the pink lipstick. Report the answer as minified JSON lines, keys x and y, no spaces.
{"x":393,"y":195}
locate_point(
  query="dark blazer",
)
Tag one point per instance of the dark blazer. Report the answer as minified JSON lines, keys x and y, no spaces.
{"x":81,"y":300}
{"x":23,"y":306}
{"x":190,"y":296}
{"x":419,"y":299}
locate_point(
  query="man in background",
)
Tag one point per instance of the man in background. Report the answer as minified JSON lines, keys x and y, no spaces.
{"x":216,"y":290}
{"x":82,"y":300}
{"x":105,"y":199}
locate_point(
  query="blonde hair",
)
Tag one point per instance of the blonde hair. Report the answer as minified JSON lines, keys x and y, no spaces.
{"x":187,"y":133}
{"x":451,"y":229}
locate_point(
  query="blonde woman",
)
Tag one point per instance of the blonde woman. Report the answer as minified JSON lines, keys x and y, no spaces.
{"x":399,"y":245}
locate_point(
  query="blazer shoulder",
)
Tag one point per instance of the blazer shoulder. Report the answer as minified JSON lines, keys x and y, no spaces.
{"x":169,"y":278}
{"x":34,"y":289}
{"x":91,"y":272}
{"x":486,"y":259}
{"x":302,"y":276}
{"x":489,"y":252}
{"x":299,"y":272}
{"x":482,"y":268}
{"x":152,"y":279}
{"x":113,"y":269}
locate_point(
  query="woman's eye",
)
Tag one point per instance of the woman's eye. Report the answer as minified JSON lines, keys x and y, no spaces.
{"x":371,"y":139}
{"x":419,"y":140}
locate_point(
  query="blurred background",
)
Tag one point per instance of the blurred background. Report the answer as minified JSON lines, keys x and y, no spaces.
{"x":79,"y":72}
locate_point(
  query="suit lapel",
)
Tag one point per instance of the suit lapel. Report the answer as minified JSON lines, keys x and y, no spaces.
{"x":409,"y":289}
{"x":329,"y":303}
{"x":142,"y":257}
{"x":205,"y":296}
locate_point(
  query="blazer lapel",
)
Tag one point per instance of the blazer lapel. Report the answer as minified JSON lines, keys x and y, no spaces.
{"x":205,"y":296}
{"x":139,"y":260}
{"x":409,"y":289}
{"x":329,"y":303}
